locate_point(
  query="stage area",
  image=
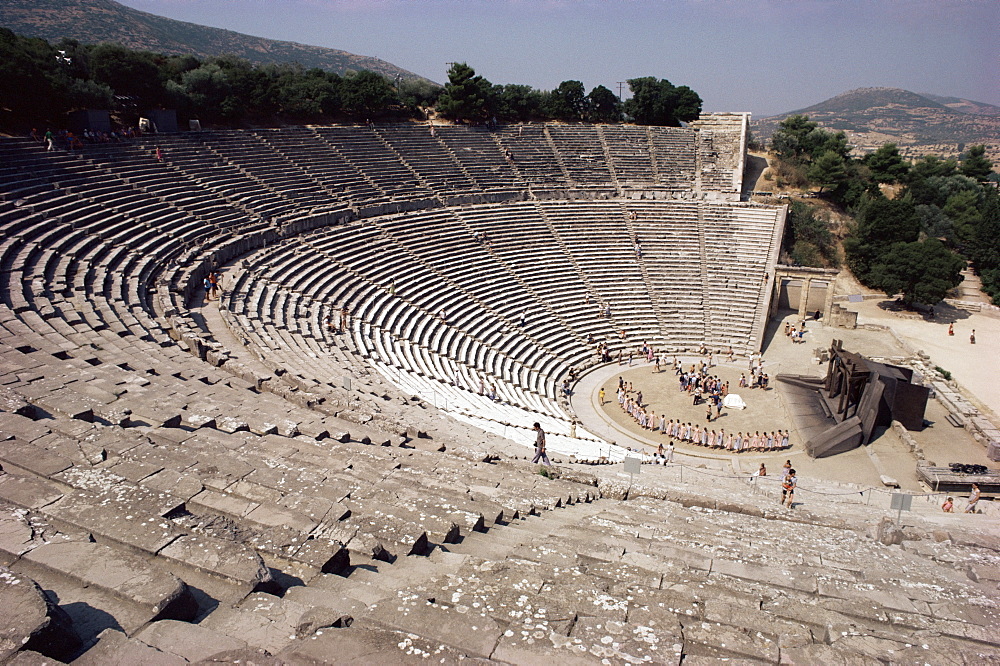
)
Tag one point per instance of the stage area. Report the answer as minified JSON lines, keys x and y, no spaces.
{"x":887,"y":455}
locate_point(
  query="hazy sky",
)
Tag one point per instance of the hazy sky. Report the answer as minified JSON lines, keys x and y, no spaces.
{"x":763,"y":56}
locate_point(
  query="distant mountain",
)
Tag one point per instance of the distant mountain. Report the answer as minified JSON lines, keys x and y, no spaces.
{"x":862,"y":100}
{"x":919,"y":124}
{"x":97,"y":21}
{"x":965,"y":105}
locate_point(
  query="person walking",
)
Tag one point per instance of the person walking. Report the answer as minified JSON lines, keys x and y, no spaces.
{"x":600,"y":394}
{"x":540,"y":446}
{"x":788,"y":484}
{"x":973,"y":499}
{"x":670,"y":452}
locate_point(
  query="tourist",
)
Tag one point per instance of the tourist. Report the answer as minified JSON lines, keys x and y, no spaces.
{"x":670,"y":452}
{"x":344,"y":319}
{"x":948,"y":506}
{"x":600,"y":395}
{"x":951,"y":329}
{"x":788,"y":484}
{"x":762,"y":471}
{"x":540,"y":446}
{"x":972,"y":337}
{"x":213,"y":279}
{"x":973,"y":499}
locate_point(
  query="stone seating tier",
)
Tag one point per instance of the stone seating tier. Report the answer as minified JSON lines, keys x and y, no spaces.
{"x":149,"y":476}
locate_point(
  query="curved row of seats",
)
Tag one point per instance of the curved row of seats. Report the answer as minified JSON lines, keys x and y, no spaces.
{"x":258,"y":516}
{"x":441,"y":294}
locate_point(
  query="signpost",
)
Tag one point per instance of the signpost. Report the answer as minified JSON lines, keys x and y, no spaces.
{"x":632,"y":467}
{"x":901,"y":502}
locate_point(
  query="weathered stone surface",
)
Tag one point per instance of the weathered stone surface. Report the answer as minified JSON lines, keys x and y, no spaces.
{"x":24,"y":612}
{"x":271,"y":516}
{"x":32,"y":658}
{"x":231,"y":424}
{"x":229,"y":560}
{"x":16,"y":535}
{"x":335,"y":602}
{"x":619,"y":642}
{"x":114,"y":648}
{"x":327,"y":555}
{"x":471,"y":630}
{"x":381,"y":535}
{"x":221,"y":503}
{"x":190,"y":641}
{"x":718,"y":641}
{"x":317,"y":619}
{"x":439,"y":526}
{"x":246,"y":657}
{"x":181,"y":485}
{"x":796,"y":580}
{"x":134,"y":470}
{"x":369,"y":645}
{"x":122,"y":574}
{"x":130,"y":515}
{"x":69,"y":404}
{"x":115,"y":440}
{"x":15,"y":425}
{"x":27,"y":492}
{"x":264,"y":620}
{"x":33,"y":458}
{"x":13,"y":403}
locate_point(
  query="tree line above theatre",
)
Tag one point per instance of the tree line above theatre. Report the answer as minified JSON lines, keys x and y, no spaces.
{"x":41,"y":82}
{"x":915,"y":225}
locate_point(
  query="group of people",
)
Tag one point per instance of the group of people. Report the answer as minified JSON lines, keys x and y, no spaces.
{"x":974,"y":495}
{"x":71,"y":141}
{"x":694,"y":433}
{"x":758,"y":380}
{"x":795,"y":334}
{"x":211,"y":285}
{"x":972,"y":335}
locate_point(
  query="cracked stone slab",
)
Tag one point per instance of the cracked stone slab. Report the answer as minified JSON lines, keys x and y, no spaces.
{"x":27,"y":492}
{"x":125,"y":575}
{"x":113,"y":648}
{"x":24,"y":612}
{"x":227,"y":559}
{"x":33,"y":458}
{"x":190,"y":641}
{"x":363,"y":646}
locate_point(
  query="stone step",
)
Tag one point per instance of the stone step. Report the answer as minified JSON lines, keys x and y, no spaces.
{"x":114,"y":647}
{"x":192,"y":642}
{"x":31,"y":621}
{"x":126,"y":576}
